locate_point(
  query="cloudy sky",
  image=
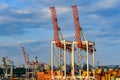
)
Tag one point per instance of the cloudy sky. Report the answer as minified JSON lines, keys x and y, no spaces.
{"x":28,"y":23}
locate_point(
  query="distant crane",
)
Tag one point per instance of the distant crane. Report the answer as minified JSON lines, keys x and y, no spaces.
{"x":25,"y":56}
{"x":5,"y":63}
{"x":32,"y":67}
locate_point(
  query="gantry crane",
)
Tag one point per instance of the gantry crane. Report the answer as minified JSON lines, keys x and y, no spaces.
{"x":85,"y":45}
{"x":5,"y":63}
{"x":30,"y":65}
{"x":81,"y":42}
{"x":62,"y":45}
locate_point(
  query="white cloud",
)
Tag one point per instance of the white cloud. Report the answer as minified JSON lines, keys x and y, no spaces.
{"x":69,"y":35}
{"x":62,"y":10}
{"x":3,"y":44}
{"x":112,"y":41}
{"x":18,"y":43}
{"x":11,"y":20}
{"x":21,"y":11}
{"x":27,"y":41}
{"x":99,"y":5}
{"x":3,"y":6}
{"x":46,"y":13}
{"x":6,"y":19}
{"x":107,"y":4}
{"x":59,"y":10}
{"x":93,"y":16}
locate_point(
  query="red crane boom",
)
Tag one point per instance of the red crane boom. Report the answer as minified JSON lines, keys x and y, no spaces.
{"x":78,"y":29}
{"x":57,"y":29}
{"x":25,"y":55}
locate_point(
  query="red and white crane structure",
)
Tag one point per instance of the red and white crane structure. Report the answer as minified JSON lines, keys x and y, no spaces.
{"x":62,"y":45}
{"x":26,"y":57}
{"x":30,"y":65}
{"x":84,"y":44}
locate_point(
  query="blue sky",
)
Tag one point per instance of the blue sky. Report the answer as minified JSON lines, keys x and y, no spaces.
{"x":28,"y":23}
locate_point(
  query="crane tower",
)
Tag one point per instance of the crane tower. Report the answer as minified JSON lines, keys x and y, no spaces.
{"x":87,"y":46}
{"x":62,"y":46}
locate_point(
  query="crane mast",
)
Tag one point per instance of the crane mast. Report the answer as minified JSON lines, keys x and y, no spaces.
{"x":25,"y":55}
{"x":86,"y":45}
{"x":78,"y":29}
{"x":61,"y":44}
{"x":56,"y":28}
